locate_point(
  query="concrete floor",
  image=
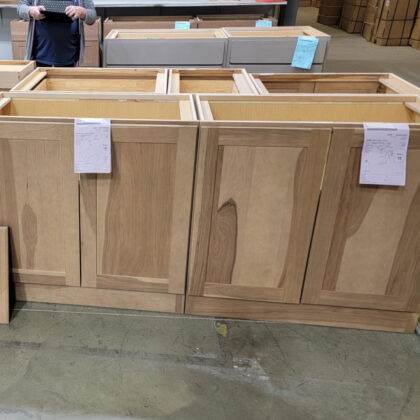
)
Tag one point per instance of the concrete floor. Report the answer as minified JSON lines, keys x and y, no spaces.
{"x":352,"y":53}
{"x":64,"y":362}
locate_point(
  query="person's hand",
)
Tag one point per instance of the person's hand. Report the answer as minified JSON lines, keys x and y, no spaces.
{"x":35,"y":12}
{"x":76,"y":12}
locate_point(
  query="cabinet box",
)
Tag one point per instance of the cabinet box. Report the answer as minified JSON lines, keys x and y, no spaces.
{"x":272,"y":49}
{"x":262,"y":164}
{"x":134,"y":222}
{"x":13,"y":71}
{"x":95,"y":80}
{"x":145,"y":22}
{"x":172,"y":47}
{"x":334,"y":83}
{"x":238,"y":20}
{"x":235,"y":81}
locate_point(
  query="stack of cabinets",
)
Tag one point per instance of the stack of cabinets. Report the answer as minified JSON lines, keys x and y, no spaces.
{"x":256,"y":205}
{"x":132,"y":225}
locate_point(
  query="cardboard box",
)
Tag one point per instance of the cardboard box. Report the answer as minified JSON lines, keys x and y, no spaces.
{"x":353,"y":15}
{"x":225,"y":21}
{"x":414,"y":40}
{"x":330,"y":12}
{"x":145,"y":22}
{"x":389,"y":22}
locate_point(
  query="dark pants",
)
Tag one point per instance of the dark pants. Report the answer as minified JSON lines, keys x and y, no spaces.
{"x":38,"y":64}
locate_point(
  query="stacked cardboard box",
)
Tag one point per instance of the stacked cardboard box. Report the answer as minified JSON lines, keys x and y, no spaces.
{"x":330,"y":12}
{"x":353,"y":15}
{"x":415,"y":34}
{"x":389,"y":22}
{"x":19,"y":29}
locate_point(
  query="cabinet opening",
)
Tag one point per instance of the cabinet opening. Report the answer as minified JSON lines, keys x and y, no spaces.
{"x":312,"y":111}
{"x":95,"y":108}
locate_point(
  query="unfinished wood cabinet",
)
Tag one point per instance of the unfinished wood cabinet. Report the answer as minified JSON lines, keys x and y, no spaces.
{"x":333,"y":83}
{"x":365,"y":250}
{"x":256,"y":195}
{"x":4,"y":275}
{"x":13,"y":71}
{"x":95,"y":80}
{"x":210,"y":81}
{"x":39,"y":199}
{"x":233,"y":20}
{"x":260,"y":171}
{"x":134,"y":222}
{"x":145,"y":22}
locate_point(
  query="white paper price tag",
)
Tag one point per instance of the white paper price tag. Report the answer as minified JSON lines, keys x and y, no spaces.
{"x":92,"y":145}
{"x":384,"y":154}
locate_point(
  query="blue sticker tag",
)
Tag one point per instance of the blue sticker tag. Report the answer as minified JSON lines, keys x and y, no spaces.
{"x":305,"y":52}
{"x":183,"y":24}
{"x":263,"y":24}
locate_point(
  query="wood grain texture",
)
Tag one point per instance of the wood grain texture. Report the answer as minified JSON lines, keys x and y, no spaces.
{"x":95,"y":80}
{"x":346,"y":83}
{"x":39,"y":202}
{"x":161,"y":302}
{"x":4,"y":275}
{"x":304,"y":314}
{"x":135,"y":221}
{"x":210,"y":81}
{"x":366,"y":242}
{"x":256,"y":196}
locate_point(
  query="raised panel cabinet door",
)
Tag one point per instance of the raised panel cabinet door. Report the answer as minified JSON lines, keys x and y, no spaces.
{"x":256,"y":196}
{"x":366,"y":247}
{"x":135,"y":221}
{"x":39,"y":202}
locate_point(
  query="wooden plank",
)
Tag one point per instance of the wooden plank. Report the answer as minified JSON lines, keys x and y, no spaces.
{"x":303,"y":314}
{"x":4,"y":275}
{"x":161,"y":302}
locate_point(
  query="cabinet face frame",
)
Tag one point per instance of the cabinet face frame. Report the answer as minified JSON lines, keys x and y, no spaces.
{"x":41,"y":76}
{"x":21,"y":207}
{"x":12,"y":71}
{"x":241,"y":82}
{"x":214,"y":140}
{"x":401,"y":290}
{"x":343,"y":83}
{"x":94,"y":187}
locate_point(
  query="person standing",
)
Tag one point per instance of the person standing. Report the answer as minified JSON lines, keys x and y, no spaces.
{"x":56,"y":44}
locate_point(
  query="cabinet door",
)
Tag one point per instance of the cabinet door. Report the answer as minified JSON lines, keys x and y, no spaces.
{"x":365,"y":250}
{"x":135,"y":221}
{"x":39,"y":202}
{"x":256,"y":196}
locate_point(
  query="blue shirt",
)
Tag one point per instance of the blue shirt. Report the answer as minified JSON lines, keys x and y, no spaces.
{"x":56,"y":43}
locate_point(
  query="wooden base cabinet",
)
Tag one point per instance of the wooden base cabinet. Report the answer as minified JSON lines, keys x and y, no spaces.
{"x":134,"y":222}
{"x":365,"y":249}
{"x":256,"y":203}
